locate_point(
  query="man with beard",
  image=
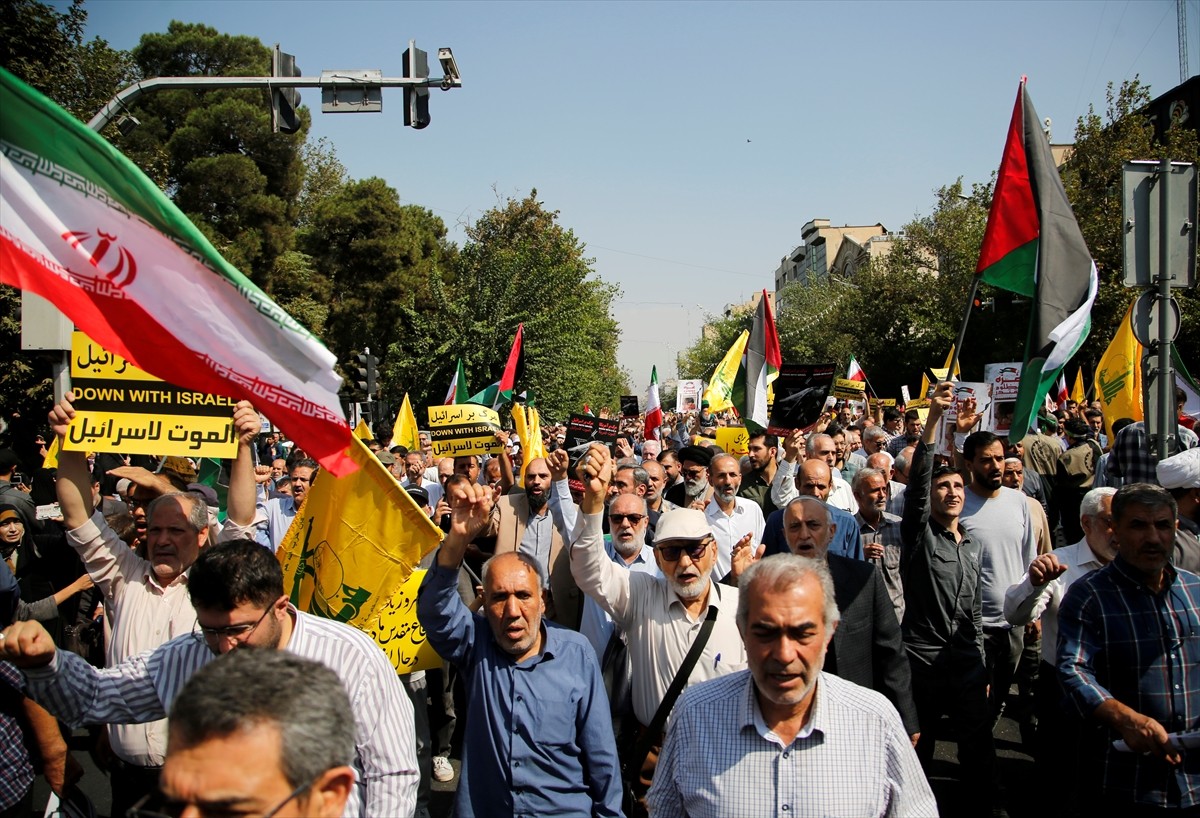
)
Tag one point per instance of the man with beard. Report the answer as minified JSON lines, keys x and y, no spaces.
{"x":147,"y":598}
{"x":895,"y":489}
{"x":660,"y":615}
{"x":695,"y":490}
{"x":880,"y":532}
{"x":997,"y":518}
{"x":237,"y":590}
{"x":523,"y":522}
{"x":763,"y":742}
{"x":655,"y":502}
{"x":784,"y":487}
{"x":266,"y":522}
{"x":669,"y":460}
{"x":763,"y":451}
{"x":735,"y":521}
{"x":414,"y":476}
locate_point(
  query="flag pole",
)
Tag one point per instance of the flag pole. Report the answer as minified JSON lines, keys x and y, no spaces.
{"x":962,"y":330}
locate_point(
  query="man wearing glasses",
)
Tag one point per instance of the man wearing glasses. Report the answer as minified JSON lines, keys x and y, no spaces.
{"x":237,"y":591}
{"x":660,"y":615}
{"x":258,"y":732}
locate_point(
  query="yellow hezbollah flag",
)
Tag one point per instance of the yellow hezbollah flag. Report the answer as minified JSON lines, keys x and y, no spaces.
{"x":405,"y":433}
{"x":1118,"y":383}
{"x":51,"y":459}
{"x":719,"y":392}
{"x":938,"y":373}
{"x":1077,"y":393}
{"x":354,"y":544}
{"x":362,"y":431}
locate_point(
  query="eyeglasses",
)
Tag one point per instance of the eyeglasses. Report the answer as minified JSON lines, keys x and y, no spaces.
{"x":157,"y":805}
{"x":634,"y":519}
{"x":234,"y":632}
{"x":671,"y":553}
{"x":694,"y":474}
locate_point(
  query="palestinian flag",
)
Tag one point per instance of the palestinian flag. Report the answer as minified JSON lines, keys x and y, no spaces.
{"x":653,"y":408}
{"x":514,"y":369}
{"x":854,"y":372}
{"x":457,"y":393}
{"x":489,"y":396}
{"x":1032,"y":246}
{"x":83,"y":227}
{"x":760,"y":367}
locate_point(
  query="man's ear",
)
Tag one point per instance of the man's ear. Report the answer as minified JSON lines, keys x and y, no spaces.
{"x":329,"y":793}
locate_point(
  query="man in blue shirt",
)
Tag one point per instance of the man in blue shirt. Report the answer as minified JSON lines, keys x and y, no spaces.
{"x":1129,"y":658}
{"x":539,"y":740}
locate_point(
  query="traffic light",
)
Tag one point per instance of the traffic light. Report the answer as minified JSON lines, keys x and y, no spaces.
{"x":985,"y":303}
{"x":285,"y":102}
{"x":365,"y":373}
{"x":416,"y":100}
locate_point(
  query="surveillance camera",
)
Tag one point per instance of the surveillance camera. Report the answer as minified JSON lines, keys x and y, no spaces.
{"x":449,"y":66}
{"x":127,"y":124}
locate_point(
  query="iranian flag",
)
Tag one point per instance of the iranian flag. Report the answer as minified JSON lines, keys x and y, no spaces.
{"x":1060,"y":390}
{"x":1033,"y":246}
{"x":653,"y":408}
{"x":457,"y":393}
{"x":83,"y":227}
{"x":760,"y":367}
{"x":854,"y":372}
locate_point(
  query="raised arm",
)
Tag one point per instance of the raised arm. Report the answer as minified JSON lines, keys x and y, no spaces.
{"x":73,"y":484}
{"x":243,"y":486}
{"x":591,"y":567}
{"x":916,"y":496}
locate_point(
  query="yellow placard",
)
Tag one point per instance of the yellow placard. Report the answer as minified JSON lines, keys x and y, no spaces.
{"x":400,"y":633}
{"x":463,"y":429}
{"x":735,"y":440}
{"x":848,"y":389}
{"x":120,"y":408}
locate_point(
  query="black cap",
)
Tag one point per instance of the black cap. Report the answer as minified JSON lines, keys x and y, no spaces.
{"x":696,"y":454}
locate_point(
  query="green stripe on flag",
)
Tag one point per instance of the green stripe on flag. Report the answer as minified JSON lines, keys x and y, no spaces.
{"x":1015,"y":271}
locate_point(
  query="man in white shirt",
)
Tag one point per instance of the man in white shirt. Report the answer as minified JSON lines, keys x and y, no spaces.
{"x":817,"y":447}
{"x":734,"y":520}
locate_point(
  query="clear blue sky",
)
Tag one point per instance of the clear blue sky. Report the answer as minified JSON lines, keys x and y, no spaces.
{"x":686,"y":143}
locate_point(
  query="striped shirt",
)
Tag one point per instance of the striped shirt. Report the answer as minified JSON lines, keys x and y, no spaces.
{"x":143,"y":688}
{"x":851,"y":759}
{"x":1119,"y":640}
{"x":143,"y":614}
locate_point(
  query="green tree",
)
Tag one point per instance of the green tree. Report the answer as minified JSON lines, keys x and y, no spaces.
{"x":214,"y":152}
{"x":1092,"y":178}
{"x":519,"y":265}
{"x":374,"y":261}
{"x":46,"y":48}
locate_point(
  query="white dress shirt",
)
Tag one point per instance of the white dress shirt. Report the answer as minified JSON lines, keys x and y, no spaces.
{"x":143,"y":615}
{"x":144,"y":687}
{"x":783,"y":488}
{"x":1023,"y":602}
{"x":852,"y":758}
{"x":746,"y":517}
{"x":659,"y":628}
{"x":596,"y":625}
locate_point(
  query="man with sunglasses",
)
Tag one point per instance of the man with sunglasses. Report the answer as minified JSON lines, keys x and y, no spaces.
{"x":237,"y":591}
{"x":661,"y":615}
{"x":261,"y":732}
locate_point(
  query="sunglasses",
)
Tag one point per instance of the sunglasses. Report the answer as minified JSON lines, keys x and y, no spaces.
{"x":632,"y":518}
{"x":671,"y":553}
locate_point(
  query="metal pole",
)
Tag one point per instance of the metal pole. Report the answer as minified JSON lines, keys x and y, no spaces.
{"x":962,"y":330}
{"x":1166,"y":400}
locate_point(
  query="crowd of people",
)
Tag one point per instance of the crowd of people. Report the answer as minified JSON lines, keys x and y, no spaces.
{"x":659,"y":627}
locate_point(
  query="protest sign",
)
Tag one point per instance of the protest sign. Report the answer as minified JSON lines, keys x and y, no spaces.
{"x":582,"y":431}
{"x":401,"y":635}
{"x":354,"y":544}
{"x":800,"y":394}
{"x":735,"y":440}
{"x":1005,"y":380}
{"x":687,"y":395}
{"x":120,"y":408}
{"x":463,"y":429}
{"x":629,"y":406}
{"x":846,"y":389}
{"x":968,"y":396}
